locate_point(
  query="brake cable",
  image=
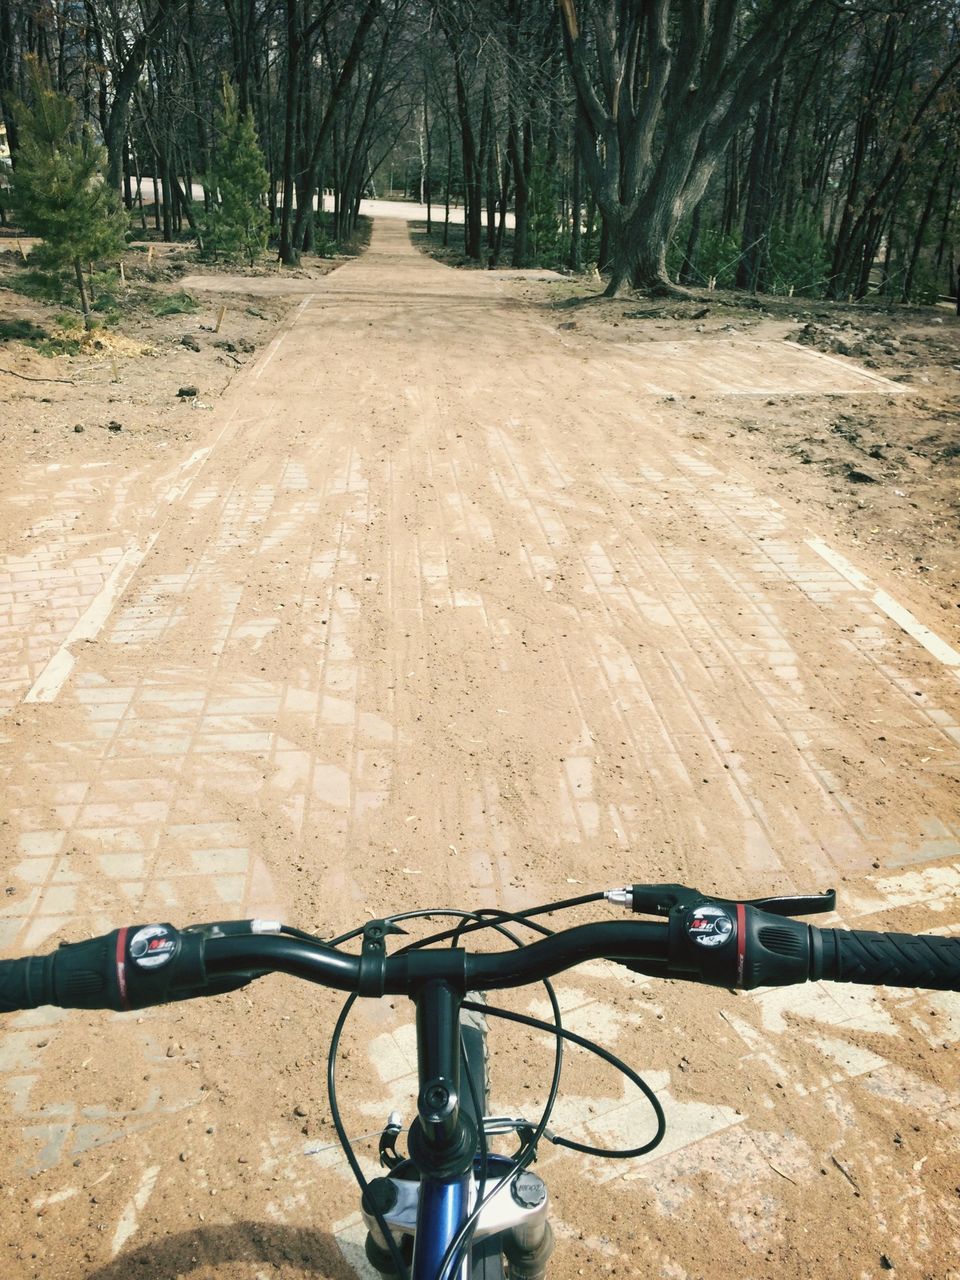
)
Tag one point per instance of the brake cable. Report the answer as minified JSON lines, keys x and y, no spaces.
{"x":468,"y":1227}
{"x":527,"y":1151}
{"x":591,"y":1047}
{"x":469,"y":922}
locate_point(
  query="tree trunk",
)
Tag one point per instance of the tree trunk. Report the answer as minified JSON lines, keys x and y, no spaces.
{"x":885,"y":282}
{"x":84,"y":300}
{"x":660,"y":103}
{"x":429,"y":155}
{"x":576,"y":215}
{"x":688,"y":272}
{"x":288,"y":254}
{"x":338,"y":91}
{"x":520,"y":146}
{"x":167,"y":195}
{"x":488,"y":161}
{"x":446,"y":193}
{"x":846,"y":265}
{"x":918,"y":239}
{"x":127,"y":185}
{"x":754,"y":250}
{"x":8,"y":89}
{"x":429,"y":185}
{"x":125,"y":78}
{"x":731,"y":189}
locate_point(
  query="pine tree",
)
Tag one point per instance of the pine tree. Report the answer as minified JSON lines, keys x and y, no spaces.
{"x":57,"y":188}
{"x":237,"y":223}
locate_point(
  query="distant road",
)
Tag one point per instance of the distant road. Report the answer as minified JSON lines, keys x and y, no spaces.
{"x":407,"y":210}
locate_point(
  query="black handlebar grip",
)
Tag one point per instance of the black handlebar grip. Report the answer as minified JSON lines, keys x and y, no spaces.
{"x":80,"y":975}
{"x":127,"y":969}
{"x":25,"y":984}
{"x":130,"y":968}
{"x":888,"y":959}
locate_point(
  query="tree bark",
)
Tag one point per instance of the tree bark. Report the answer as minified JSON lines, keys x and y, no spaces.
{"x":688,"y":271}
{"x":84,"y":300}
{"x":754,"y":250}
{"x":8,"y":72}
{"x":918,"y":238}
{"x":288,"y":254}
{"x":337,"y":93}
{"x":576,"y":215}
{"x":661,"y":94}
{"x":125,"y":76}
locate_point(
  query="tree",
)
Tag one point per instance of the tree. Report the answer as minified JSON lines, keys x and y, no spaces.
{"x":58,"y":190}
{"x":236,"y":225}
{"x":905,"y":114}
{"x":127,"y":58}
{"x":306,"y":137}
{"x":662,"y":86}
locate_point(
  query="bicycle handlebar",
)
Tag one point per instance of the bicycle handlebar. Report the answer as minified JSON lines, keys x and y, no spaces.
{"x":707,"y":940}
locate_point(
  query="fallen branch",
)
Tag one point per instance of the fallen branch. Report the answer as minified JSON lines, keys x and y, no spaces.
{"x":29,"y":378}
{"x":849,"y":1176}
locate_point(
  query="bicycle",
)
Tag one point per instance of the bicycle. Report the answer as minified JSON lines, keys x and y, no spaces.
{"x":452,"y":1209}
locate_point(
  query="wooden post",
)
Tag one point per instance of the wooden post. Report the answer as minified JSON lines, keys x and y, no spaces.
{"x":223,"y":312}
{"x":149,"y":255}
{"x":123,"y":278}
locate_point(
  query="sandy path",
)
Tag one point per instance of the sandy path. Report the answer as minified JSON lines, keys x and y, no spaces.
{"x":456,"y":610}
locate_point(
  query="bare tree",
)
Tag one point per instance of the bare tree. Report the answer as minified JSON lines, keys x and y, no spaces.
{"x":662,"y":86}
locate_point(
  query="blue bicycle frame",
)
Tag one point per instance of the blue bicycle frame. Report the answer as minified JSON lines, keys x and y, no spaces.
{"x":444,"y":1207}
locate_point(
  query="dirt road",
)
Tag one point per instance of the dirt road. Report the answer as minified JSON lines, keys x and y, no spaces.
{"x":452,"y":607}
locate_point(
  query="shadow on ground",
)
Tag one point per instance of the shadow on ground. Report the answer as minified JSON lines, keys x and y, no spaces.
{"x":301,"y":1249}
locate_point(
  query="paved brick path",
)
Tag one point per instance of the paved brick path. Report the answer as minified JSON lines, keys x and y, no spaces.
{"x":457,"y":608}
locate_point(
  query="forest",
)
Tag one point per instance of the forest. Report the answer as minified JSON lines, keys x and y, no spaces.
{"x":802,"y":147}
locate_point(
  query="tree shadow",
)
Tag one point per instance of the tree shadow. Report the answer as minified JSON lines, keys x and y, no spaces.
{"x":257,"y":1243}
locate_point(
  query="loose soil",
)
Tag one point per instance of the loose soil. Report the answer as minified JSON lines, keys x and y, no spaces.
{"x":121,"y":393}
{"x":884,"y":472}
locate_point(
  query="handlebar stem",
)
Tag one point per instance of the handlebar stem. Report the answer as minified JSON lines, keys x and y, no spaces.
{"x":443,"y":1138}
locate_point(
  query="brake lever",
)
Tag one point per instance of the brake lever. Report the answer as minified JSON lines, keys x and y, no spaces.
{"x":727,"y":942}
{"x":661,"y":899}
{"x":810,"y":904}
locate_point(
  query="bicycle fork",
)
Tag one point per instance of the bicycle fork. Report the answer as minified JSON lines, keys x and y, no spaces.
{"x":517,"y":1214}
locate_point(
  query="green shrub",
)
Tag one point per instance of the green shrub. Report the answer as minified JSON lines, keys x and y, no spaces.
{"x":324,"y":246}
{"x":59,"y":345}
{"x":20,"y":331}
{"x":58,"y":191}
{"x":68,"y":320}
{"x":797,"y":261}
{"x":924,"y":288}
{"x":544,"y":227}
{"x":236,"y":226}
{"x":716,"y":258}
{"x":43,"y":286}
{"x":176,"y":304}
